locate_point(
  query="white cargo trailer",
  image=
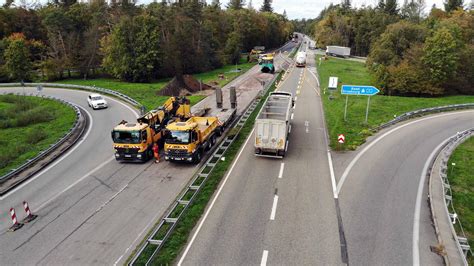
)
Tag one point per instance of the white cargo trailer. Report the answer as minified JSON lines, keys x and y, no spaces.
{"x":272,"y":125}
{"x":338,"y":51}
{"x":301,"y":59}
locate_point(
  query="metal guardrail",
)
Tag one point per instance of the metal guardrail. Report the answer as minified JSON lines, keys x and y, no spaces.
{"x":122,"y":96}
{"x":46,"y":152}
{"x":167,"y":224}
{"x":461,"y":241}
{"x":422,"y":112}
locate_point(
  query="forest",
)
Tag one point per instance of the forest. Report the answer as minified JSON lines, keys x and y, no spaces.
{"x":411,"y":50}
{"x":136,"y":43}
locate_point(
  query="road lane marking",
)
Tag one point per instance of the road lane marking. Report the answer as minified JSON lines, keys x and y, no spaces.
{"x":317,"y":80}
{"x":75,"y":146}
{"x":296,"y":98}
{"x":214,"y":200}
{"x":282,"y":167}
{"x":359,"y":155}
{"x":274,"y":208}
{"x":292,"y":116}
{"x":333,"y":177}
{"x":419,"y":196}
{"x":75,"y":183}
{"x":264,"y":258}
{"x":294,"y":106}
{"x":286,"y":148}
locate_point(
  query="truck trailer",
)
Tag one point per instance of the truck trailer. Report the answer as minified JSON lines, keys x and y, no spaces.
{"x":301,"y":59}
{"x":272,"y":125}
{"x":338,"y":51}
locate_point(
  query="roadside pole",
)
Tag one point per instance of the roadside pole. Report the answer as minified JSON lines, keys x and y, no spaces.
{"x":345,"y":108}
{"x":367,"y":110}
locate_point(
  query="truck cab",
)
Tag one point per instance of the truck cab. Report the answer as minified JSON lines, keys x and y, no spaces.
{"x":133,"y":141}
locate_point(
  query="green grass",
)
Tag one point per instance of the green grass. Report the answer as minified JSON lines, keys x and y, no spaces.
{"x":178,"y":238}
{"x":382,"y":108}
{"x":212,"y":77}
{"x":461,"y":178}
{"x":29,"y":125}
{"x":146,"y":93}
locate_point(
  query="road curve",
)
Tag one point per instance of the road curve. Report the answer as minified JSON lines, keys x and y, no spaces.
{"x":379,"y":195}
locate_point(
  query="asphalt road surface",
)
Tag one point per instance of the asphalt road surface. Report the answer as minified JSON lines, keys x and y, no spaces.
{"x":91,"y":209}
{"x":272,"y":210}
{"x":378,"y":196}
{"x":286,"y":212}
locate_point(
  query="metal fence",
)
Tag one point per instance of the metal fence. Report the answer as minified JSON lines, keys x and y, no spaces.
{"x":166,"y":226}
{"x":54,"y":146}
{"x":461,"y":240}
{"x":424,"y":111}
{"x":122,"y":96}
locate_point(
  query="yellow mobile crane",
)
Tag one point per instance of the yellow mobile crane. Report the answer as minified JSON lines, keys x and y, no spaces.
{"x":134,"y":141}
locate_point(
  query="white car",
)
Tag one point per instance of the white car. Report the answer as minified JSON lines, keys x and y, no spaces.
{"x":96,"y":101}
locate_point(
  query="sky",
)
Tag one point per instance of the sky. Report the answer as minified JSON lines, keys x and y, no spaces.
{"x":297,"y":9}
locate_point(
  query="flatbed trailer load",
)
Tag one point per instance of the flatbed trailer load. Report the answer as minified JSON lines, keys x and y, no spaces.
{"x":272,"y":125}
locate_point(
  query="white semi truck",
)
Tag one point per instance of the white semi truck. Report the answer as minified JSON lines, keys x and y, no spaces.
{"x":272,"y":125}
{"x":301,"y":59}
{"x":338,"y":51}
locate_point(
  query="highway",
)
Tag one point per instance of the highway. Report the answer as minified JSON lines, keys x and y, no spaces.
{"x":379,"y":195}
{"x":285,"y":212}
{"x":279,"y":211}
{"x":89,"y":206}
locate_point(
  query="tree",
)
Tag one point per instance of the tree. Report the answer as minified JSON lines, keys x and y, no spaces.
{"x":346,"y":5}
{"x":17,"y":58}
{"x":236,"y":4}
{"x":391,"y":7}
{"x":216,"y":4}
{"x":132,"y":51}
{"x":451,"y":5}
{"x":441,"y":55}
{"x":266,"y":6}
{"x":413,"y":10}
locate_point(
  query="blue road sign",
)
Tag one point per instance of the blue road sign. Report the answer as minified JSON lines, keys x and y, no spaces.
{"x":359,"y":90}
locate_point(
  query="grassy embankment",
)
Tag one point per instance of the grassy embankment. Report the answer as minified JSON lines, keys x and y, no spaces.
{"x":382,"y":108}
{"x":461,"y":178}
{"x":29,"y":125}
{"x":178,"y":238}
{"x":145,"y":93}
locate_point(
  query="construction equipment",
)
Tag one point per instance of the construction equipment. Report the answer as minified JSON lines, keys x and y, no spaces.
{"x":254,"y":53}
{"x":187,"y":141}
{"x":272,"y":125}
{"x":266,"y":63}
{"x":134,"y":141}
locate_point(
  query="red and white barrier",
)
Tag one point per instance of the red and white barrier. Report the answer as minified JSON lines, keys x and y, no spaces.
{"x":29,"y":216}
{"x":13,"y":215}
{"x":16,"y":225}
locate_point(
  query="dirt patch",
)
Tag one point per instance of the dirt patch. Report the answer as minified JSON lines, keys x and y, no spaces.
{"x":191,"y":85}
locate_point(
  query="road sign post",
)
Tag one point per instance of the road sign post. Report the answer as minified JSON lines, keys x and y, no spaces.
{"x":359,"y":90}
{"x":367,"y":110}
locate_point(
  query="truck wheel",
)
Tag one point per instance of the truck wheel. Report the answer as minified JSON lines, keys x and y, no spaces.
{"x":281,"y":153}
{"x":213,"y":140}
{"x":197,"y":157}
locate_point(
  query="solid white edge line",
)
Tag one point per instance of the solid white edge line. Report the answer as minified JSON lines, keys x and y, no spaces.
{"x":317,"y":81}
{"x":419,"y":196}
{"x":264,"y":258}
{"x":353,"y":162}
{"x":333,"y":177}
{"x":188,"y":247}
{"x":77,"y":145}
{"x":274,"y":208}
{"x":282,"y":167}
